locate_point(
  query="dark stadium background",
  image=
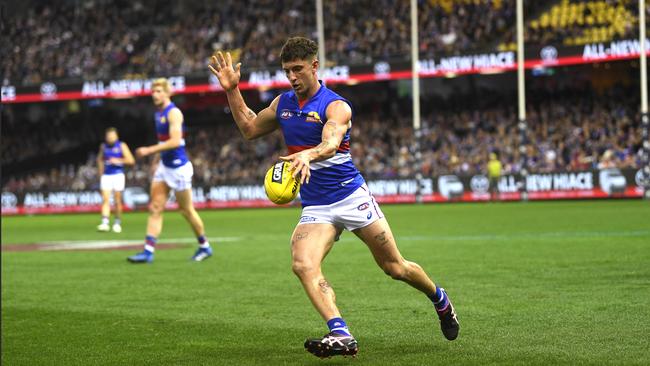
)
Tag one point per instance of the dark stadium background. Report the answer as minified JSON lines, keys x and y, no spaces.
{"x":582,"y":86}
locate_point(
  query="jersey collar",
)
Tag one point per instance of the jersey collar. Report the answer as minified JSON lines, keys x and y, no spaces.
{"x":305,"y":102}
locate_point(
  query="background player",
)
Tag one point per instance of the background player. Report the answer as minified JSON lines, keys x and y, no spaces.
{"x":112,"y":157}
{"x":494,"y":168}
{"x":173,"y":172}
{"x":334,"y":194}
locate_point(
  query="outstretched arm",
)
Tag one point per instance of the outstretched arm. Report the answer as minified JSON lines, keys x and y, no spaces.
{"x":251,"y":125}
{"x":339,"y":115}
{"x":175,"y":120}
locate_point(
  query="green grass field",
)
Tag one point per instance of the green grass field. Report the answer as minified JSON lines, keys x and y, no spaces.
{"x":533,"y":283}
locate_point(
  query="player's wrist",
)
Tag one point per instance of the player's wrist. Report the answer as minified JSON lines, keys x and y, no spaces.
{"x":233,"y":89}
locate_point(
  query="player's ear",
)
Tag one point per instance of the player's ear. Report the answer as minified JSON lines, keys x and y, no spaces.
{"x":315,"y":64}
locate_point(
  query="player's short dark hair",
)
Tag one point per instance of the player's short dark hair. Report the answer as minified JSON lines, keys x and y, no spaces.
{"x":298,"y":48}
{"x":111,"y":129}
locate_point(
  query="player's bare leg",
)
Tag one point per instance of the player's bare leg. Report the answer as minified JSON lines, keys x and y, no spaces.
{"x":310,"y":244}
{"x":159,"y":194}
{"x":381,"y":242}
{"x":186,"y":207}
{"x":379,"y":239}
{"x":106,"y":211}
{"x":117,"y":221}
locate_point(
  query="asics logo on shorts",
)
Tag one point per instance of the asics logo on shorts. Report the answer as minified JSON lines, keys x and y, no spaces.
{"x":307,"y":219}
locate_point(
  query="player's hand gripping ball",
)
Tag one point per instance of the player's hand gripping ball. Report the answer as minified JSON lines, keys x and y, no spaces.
{"x":280,"y":185}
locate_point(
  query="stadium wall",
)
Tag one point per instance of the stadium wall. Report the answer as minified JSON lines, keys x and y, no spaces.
{"x":588,"y":184}
{"x":490,"y":62}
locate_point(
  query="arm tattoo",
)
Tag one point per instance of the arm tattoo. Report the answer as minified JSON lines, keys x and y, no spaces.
{"x":382,"y":238}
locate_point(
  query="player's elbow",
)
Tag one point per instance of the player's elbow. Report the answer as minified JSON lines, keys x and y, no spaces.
{"x":175,"y":142}
{"x":249,"y":134}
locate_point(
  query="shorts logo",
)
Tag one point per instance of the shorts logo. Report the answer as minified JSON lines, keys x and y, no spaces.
{"x":286,"y":114}
{"x":313,"y":117}
{"x":363,"y":206}
{"x":277,"y":173}
{"x":307,"y":219}
{"x":369,"y":215}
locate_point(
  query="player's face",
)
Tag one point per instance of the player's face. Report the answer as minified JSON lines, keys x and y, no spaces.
{"x":301,"y":74}
{"x":111,"y":137}
{"x":159,"y":95}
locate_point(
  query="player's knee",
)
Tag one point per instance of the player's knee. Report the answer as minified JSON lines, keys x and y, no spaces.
{"x":396,"y":270}
{"x":187,"y":212}
{"x":302,"y":268}
{"x":155,"y":208}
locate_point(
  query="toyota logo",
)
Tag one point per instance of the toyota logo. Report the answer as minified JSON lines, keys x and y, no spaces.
{"x":382,"y":68}
{"x":548,"y":54}
{"x":640,"y":179}
{"x":9,"y":200}
{"x":479,"y":184}
{"x":48,"y":89}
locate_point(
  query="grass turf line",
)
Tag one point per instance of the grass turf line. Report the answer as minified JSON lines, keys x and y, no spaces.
{"x":535,"y":283}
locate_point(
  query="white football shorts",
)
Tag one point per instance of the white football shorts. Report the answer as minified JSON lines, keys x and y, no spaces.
{"x":112,"y":182}
{"x":178,"y":179}
{"x":353,"y":212}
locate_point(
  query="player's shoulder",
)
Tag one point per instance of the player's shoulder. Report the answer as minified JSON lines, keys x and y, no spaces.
{"x":174,"y":112}
{"x":331,"y":100}
{"x":329,"y":96}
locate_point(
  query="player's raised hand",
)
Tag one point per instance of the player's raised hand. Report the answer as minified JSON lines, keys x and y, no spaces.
{"x":299,"y":166}
{"x":223,"y":69}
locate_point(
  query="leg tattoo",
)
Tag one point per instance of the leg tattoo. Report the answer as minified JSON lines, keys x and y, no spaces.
{"x":382,"y":238}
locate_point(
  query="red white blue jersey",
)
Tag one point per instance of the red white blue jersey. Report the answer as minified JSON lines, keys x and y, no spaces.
{"x":173,"y":158}
{"x":112,"y":151}
{"x":302,"y":126}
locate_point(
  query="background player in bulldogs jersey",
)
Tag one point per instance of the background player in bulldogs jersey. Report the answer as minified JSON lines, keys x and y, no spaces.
{"x":173,"y":171}
{"x":316,"y":125}
{"x":112,"y":157}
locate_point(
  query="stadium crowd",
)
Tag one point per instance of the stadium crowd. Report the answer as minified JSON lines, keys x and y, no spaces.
{"x":99,"y":39}
{"x":571,"y":130}
{"x":587,"y":21}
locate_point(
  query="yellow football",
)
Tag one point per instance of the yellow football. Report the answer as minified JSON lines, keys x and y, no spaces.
{"x":280,"y":185}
